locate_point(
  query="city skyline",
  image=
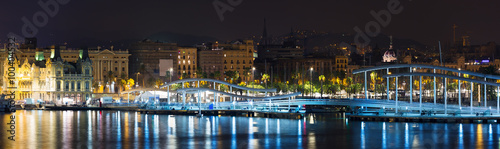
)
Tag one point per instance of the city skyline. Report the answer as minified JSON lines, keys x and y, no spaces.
{"x":78,"y":22}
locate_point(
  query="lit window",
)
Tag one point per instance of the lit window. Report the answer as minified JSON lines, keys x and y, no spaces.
{"x":183,"y":61}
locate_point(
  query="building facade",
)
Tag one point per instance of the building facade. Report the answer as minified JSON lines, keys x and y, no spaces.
{"x":145,"y":59}
{"x":238,"y":57}
{"x":105,"y":63}
{"x":50,"y":79}
{"x":187,"y":62}
{"x":211,"y":62}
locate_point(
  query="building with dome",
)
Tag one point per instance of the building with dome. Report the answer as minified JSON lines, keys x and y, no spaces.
{"x":389,"y":55}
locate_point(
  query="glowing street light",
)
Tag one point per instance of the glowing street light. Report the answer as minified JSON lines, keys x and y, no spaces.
{"x":171,"y":73}
{"x":310,"y":82}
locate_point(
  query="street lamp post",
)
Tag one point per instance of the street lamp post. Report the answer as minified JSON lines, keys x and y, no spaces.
{"x":311,"y":81}
{"x":137,"y":78}
{"x":253,"y":74}
{"x":171,"y":72}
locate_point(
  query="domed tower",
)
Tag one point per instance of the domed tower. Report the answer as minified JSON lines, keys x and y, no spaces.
{"x":389,"y":55}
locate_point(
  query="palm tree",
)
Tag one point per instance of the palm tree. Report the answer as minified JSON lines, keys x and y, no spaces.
{"x":199,"y":72}
{"x":217,"y":74}
{"x":111,"y":78}
{"x":321,"y":79}
{"x":130,"y":83}
{"x":123,"y":81}
{"x":246,"y":73}
{"x":168,"y":75}
{"x":158,"y":83}
{"x":264,"y":78}
{"x":142,"y":70}
{"x":373,"y":76}
{"x":95,"y":85}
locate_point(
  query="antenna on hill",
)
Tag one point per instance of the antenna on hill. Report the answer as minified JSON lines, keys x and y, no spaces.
{"x":440,"y":55}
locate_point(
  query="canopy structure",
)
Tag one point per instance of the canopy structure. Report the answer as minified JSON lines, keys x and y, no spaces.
{"x":217,"y":94}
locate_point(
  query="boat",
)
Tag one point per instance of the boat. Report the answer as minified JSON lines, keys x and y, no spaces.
{"x":6,"y":105}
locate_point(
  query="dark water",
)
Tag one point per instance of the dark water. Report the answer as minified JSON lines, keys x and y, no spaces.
{"x":116,"y":129}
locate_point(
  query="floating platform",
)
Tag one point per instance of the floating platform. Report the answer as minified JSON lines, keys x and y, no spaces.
{"x":244,"y":113}
{"x":440,"y":118}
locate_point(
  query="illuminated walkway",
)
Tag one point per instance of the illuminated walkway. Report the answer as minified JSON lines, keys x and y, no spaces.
{"x":421,"y":106}
{"x":200,"y":94}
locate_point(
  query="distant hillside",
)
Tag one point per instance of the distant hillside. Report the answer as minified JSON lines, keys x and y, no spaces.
{"x":381,"y":41}
{"x":180,"y":39}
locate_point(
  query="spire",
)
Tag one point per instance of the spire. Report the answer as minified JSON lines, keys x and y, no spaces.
{"x":390,"y":44}
{"x":265,"y":39}
{"x":264,"y":32}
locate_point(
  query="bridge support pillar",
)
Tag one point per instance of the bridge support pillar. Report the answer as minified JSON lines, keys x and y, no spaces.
{"x":420,"y":94}
{"x":459,"y":92}
{"x":397,"y":95}
{"x":183,"y":98}
{"x":445,"y":96}
{"x":411,"y":86}
{"x":485,"y":97}
{"x":366,"y":87}
{"x":199,"y":101}
{"x":471,"y":91}
{"x":435,"y":94}
{"x":387,"y":80}
{"x":215,"y":98}
{"x":168,"y":95}
{"x":498,"y":100}
{"x":270,"y":105}
{"x":289,"y":104}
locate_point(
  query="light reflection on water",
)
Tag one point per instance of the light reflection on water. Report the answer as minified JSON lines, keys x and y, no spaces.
{"x":118,"y":129}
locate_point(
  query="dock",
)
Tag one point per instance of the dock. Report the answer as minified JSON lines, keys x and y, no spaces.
{"x":243,"y":113}
{"x":440,"y":118}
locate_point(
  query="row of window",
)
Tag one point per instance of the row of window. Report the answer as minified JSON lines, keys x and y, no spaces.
{"x":237,"y":62}
{"x":70,"y":86}
{"x":188,"y":68}
{"x":236,"y":55}
{"x":189,"y":62}
{"x":123,"y":62}
{"x":238,"y":67}
{"x":184,"y":57}
{"x":116,"y":69}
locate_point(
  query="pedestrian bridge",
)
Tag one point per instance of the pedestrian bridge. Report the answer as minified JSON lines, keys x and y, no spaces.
{"x":416,"y":70}
{"x":250,"y":98}
{"x":213,"y":95}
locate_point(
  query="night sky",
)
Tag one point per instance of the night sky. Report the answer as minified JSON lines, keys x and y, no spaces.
{"x":422,"y":20}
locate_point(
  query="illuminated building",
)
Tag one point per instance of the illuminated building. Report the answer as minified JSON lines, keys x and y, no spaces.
{"x":238,"y":57}
{"x":186,"y":62}
{"x":52,"y":79}
{"x":104,"y":61}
